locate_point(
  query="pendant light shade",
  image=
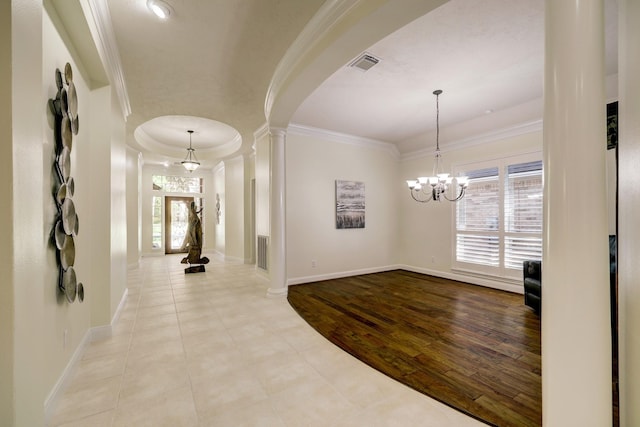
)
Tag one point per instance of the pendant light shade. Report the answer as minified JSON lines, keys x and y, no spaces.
{"x":190,"y":162}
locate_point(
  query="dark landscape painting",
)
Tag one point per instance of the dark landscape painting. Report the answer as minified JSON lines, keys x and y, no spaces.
{"x":349,"y":204}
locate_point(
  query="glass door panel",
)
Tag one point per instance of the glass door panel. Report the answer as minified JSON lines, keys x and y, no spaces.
{"x":176,"y":223}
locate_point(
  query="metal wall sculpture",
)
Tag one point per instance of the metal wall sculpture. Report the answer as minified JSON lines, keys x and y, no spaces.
{"x":65,"y":110}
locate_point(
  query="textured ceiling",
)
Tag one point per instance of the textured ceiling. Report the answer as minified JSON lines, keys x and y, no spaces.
{"x":487,"y":56}
{"x":214,"y":59}
{"x":484,"y":55}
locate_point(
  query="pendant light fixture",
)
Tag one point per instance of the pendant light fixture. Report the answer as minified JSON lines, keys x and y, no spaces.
{"x":425,"y":189}
{"x":190,"y":162}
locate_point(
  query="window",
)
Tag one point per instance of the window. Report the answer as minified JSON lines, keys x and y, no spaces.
{"x":499,"y":221}
{"x":156,"y":231}
{"x":178,"y":184}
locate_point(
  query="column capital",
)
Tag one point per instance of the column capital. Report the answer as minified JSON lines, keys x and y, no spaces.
{"x":277,"y":132}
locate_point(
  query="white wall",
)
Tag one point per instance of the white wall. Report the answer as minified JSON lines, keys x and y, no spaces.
{"x":23,"y":110}
{"x":262,"y":173}
{"x":43,"y":330}
{"x":249,"y":209}
{"x":219,"y":190}
{"x":59,"y":315}
{"x":118,"y":204}
{"x":98,"y":210}
{"x":426,"y":228}
{"x":134,"y":187}
{"x":234,"y":189}
{"x":7,"y":318}
{"x":629,"y":212}
{"x":314,"y":163}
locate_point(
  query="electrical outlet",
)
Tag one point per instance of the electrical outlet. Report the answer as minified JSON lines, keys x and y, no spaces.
{"x":433,"y":260}
{"x":314,"y":263}
{"x":65,"y":336}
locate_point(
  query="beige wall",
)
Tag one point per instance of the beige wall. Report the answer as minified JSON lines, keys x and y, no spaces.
{"x":118,"y":203}
{"x":314,"y":163}
{"x":219,"y":189}
{"x":23,"y":109}
{"x":7,"y":318}
{"x":134,"y":187}
{"x":234,"y":187}
{"x":249,"y":209}
{"x":262,"y":167}
{"x":629,"y":212}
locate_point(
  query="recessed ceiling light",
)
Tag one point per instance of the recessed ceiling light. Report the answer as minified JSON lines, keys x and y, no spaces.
{"x":159,"y":8}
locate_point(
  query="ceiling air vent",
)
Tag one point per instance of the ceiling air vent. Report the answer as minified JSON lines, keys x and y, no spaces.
{"x":364,"y":62}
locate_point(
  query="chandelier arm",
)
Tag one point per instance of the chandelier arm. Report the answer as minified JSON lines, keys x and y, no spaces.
{"x":419,"y":200}
{"x":460,"y":196}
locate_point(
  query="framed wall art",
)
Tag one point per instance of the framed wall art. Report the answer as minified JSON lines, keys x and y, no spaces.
{"x":350,"y":204}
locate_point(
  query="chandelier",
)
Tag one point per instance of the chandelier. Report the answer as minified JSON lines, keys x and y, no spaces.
{"x":190,"y":162}
{"x":425,"y":189}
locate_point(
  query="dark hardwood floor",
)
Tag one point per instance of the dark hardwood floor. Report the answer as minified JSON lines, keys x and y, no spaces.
{"x":472,"y":348}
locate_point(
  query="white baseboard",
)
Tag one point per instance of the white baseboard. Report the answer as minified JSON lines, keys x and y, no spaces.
{"x":276,"y":292}
{"x":494,"y":283}
{"x":473,"y":279}
{"x":93,"y":334}
{"x":51,"y":402}
{"x":121,"y":304}
{"x":340,"y":274}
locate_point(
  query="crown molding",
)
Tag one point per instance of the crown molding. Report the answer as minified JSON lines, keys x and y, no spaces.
{"x":261,"y":132}
{"x":509,"y":132}
{"x":105,"y":39}
{"x":344,"y":138}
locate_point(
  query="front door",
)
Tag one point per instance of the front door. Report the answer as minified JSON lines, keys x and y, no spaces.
{"x":176,"y":222}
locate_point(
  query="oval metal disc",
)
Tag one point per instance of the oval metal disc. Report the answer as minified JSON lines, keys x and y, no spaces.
{"x":61,"y":194}
{"x":64,"y":163}
{"x":77,"y":226}
{"x":68,"y":73}
{"x":72,"y":101}
{"x":69,"y":285}
{"x":59,"y":234}
{"x":80,"y":292}
{"x":75,"y":125}
{"x":68,"y":253}
{"x":65,"y":133}
{"x":58,"y":79}
{"x":68,"y":216}
{"x":64,"y":104}
{"x":71,"y":187}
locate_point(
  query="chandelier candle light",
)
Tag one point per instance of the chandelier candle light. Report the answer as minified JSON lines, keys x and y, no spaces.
{"x":425,"y":189}
{"x":190,"y":162}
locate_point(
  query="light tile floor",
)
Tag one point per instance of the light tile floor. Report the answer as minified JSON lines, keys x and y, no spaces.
{"x":211,"y":349}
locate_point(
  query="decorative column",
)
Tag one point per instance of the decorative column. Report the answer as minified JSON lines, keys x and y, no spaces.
{"x":629,"y":210}
{"x":277,"y":244}
{"x":576,"y":337}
